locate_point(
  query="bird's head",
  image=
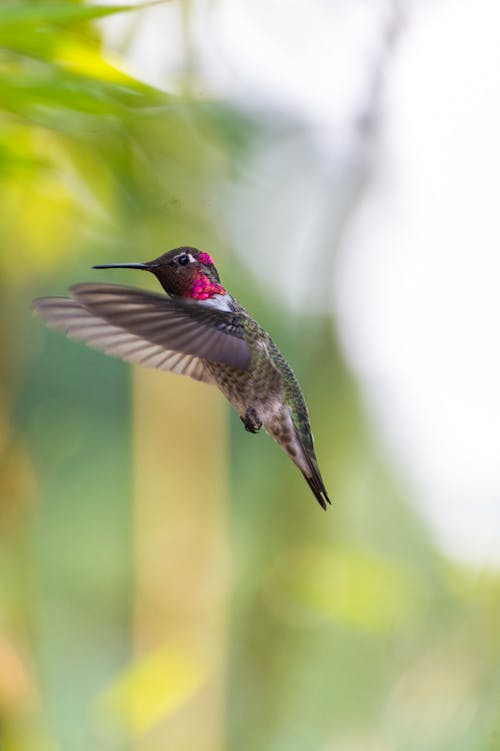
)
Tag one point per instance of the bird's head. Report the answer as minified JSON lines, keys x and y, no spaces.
{"x":182,"y":272}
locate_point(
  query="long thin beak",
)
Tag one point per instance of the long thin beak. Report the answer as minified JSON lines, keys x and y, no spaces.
{"x":142,"y":266}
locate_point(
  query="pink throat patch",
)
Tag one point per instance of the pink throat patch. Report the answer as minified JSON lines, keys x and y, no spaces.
{"x":205,"y":259}
{"x":204,"y":289}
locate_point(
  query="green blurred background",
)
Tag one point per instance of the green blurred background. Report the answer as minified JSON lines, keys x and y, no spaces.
{"x":167,"y":581}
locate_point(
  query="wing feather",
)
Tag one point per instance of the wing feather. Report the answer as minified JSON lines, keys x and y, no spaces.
{"x":147,"y":328}
{"x":181,"y":326}
{"x":69,"y":316}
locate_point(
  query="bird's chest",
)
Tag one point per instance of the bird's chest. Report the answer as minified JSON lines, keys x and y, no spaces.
{"x":254,"y":387}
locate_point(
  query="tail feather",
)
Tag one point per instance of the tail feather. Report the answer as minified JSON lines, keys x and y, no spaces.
{"x":312,"y":474}
{"x":317,"y":486}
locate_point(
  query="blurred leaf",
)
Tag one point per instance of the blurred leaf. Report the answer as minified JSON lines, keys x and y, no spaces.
{"x":62,"y":13}
{"x":153,"y":688}
{"x":29,"y":92}
{"x":69,"y":51}
{"x":347,"y":586}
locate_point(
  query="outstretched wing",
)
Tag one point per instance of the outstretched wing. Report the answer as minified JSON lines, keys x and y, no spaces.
{"x":147,"y":328}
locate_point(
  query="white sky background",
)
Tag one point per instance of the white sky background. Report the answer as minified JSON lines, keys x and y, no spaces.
{"x":417,"y":277}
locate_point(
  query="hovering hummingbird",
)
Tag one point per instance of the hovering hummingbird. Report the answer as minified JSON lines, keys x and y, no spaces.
{"x":201,"y":331}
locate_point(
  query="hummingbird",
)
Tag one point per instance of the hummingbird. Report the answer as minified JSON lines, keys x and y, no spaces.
{"x":199,"y":330}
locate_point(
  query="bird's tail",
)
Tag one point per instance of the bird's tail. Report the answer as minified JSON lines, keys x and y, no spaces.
{"x":315,"y":482}
{"x":311,"y":471}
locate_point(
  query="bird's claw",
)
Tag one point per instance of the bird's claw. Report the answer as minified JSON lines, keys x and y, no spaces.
{"x":251,"y":420}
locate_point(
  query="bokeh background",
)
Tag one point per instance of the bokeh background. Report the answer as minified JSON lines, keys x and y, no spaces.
{"x":167,"y":580}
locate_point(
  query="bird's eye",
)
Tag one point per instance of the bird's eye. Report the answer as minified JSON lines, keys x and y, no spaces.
{"x":183,"y":260}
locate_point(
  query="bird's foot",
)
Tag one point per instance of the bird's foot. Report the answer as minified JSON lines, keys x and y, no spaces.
{"x":251,"y":420}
